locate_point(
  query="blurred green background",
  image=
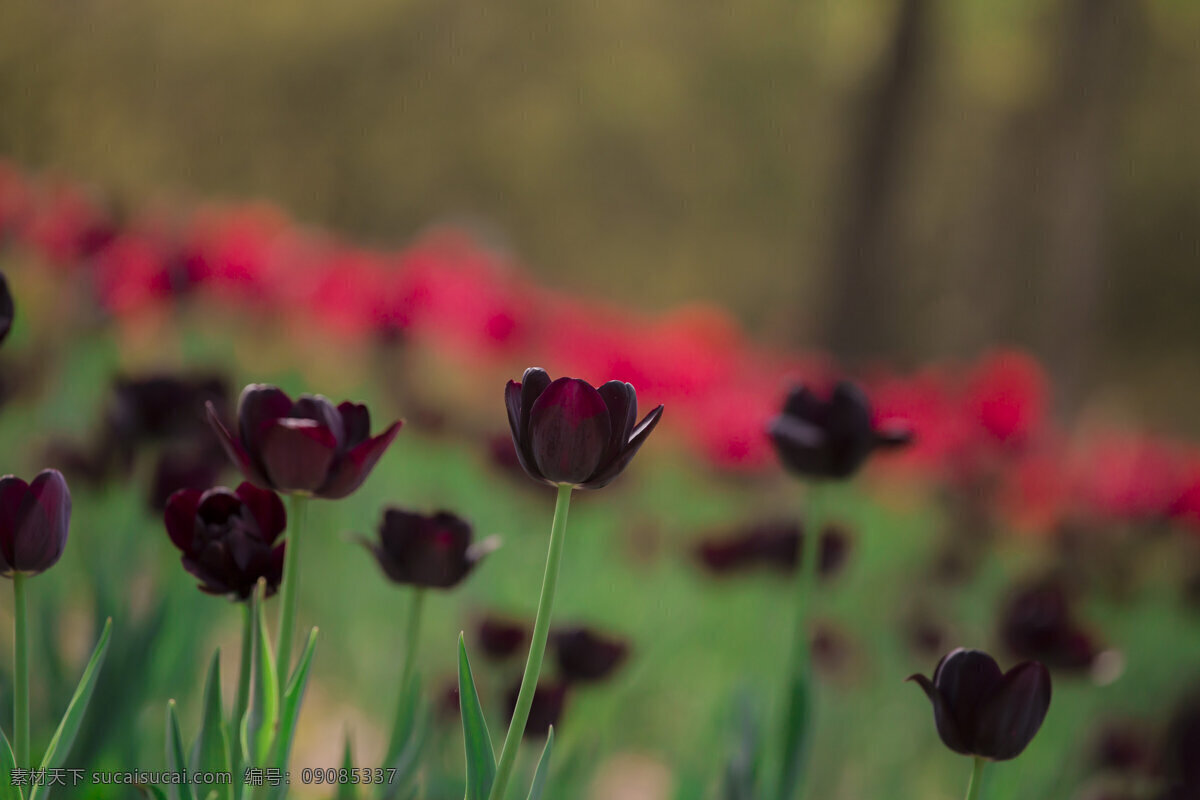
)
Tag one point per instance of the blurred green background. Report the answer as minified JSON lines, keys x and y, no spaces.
{"x":889,"y":179}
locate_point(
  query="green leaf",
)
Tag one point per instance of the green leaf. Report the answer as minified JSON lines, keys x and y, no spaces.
{"x":211,"y":750}
{"x":60,"y":745}
{"x":412,"y":738}
{"x":481,"y":758}
{"x":258,"y":726}
{"x":347,"y":790}
{"x":797,"y":726}
{"x":7,"y":762}
{"x":543,"y":767}
{"x":176,"y":761}
{"x":292,"y":699}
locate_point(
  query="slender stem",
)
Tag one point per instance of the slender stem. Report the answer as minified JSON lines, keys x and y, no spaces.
{"x":403,"y":707}
{"x":797,"y":730}
{"x":537,"y":646}
{"x":242,"y":699}
{"x":21,"y":674}
{"x":291,"y":577}
{"x":975,"y":789}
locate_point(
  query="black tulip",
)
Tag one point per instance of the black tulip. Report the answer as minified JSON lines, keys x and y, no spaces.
{"x":1038,"y":624}
{"x":828,"y":439}
{"x":7,"y":310}
{"x":980,"y":711}
{"x":153,"y":407}
{"x":427,"y":550}
{"x":308,"y":446}
{"x":228,"y":538}
{"x":775,"y":544}
{"x":569,"y":432}
{"x":501,"y":639}
{"x":585,"y":656}
{"x":549,"y":700}
{"x":34,"y":518}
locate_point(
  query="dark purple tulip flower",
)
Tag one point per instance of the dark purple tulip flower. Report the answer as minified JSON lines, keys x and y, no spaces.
{"x":585,"y":656}
{"x":774,"y":544}
{"x":828,"y":439}
{"x":228,"y":538}
{"x":432,"y":551}
{"x":34,"y":518}
{"x":1038,"y":624}
{"x":569,"y":432}
{"x":500,"y":638}
{"x":549,"y":699}
{"x":184,"y":468}
{"x":981,"y":711}
{"x":7,"y":310}
{"x":154,"y":407}
{"x":308,"y":446}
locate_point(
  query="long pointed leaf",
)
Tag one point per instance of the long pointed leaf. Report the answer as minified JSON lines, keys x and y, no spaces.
{"x":412,"y":737}
{"x":176,"y":761}
{"x":796,"y":730}
{"x":258,"y":726}
{"x":282,"y":750}
{"x":347,"y":790}
{"x":7,"y":762}
{"x":211,"y":750}
{"x":543,"y":767}
{"x":60,"y":745}
{"x":481,"y":758}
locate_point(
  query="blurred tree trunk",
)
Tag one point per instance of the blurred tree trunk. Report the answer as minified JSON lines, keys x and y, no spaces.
{"x":1099,"y":39}
{"x":863,"y":319}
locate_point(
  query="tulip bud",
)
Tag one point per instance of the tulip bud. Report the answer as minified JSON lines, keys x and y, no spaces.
{"x":34,"y":519}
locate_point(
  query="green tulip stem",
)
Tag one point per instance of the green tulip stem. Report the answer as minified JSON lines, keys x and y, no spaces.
{"x":975,"y":789}
{"x":291,"y":577}
{"x":407,"y":673}
{"x":21,"y":673}
{"x":242,"y":699}
{"x":537,"y":647}
{"x":796,"y":735}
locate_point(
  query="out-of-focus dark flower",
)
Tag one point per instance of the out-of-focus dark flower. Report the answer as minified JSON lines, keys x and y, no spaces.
{"x":7,"y":310}
{"x":585,"y":656}
{"x":429,"y":550}
{"x":1123,"y":748}
{"x":926,"y":638}
{"x":228,"y":538}
{"x":775,"y":544}
{"x":829,"y":439}
{"x":154,"y":407}
{"x":501,"y":639}
{"x":1182,"y":751}
{"x":981,"y":711}
{"x":1037,"y":624}
{"x":34,"y":518}
{"x":569,"y":432}
{"x":308,"y":446}
{"x":184,"y":468}
{"x":549,"y":699}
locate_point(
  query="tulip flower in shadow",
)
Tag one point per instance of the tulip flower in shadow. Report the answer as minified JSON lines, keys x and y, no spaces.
{"x":549,"y":701}
{"x":983,"y":712}
{"x":585,"y":656}
{"x":773,"y":545}
{"x":1038,"y":623}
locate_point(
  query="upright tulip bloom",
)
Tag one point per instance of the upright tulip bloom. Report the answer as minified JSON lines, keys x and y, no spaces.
{"x":307,"y":447}
{"x":34,"y":518}
{"x":983,"y":712}
{"x":571,"y":435}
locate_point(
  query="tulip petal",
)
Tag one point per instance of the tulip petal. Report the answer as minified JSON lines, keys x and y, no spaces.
{"x":947,"y":727}
{"x":180,"y":517}
{"x":966,"y":678}
{"x":267,"y":509}
{"x":569,"y":430}
{"x":609,"y":472}
{"x":512,"y":400}
{"x":1013,"y":713}
{"x":621,"y":400}
{"x":318,"y":408}
{"x":258,"y":408}
{"x":803,"y":403}
{"x":45,"y":518}
{"x":12,"y":490}
{"x":801,"y":445}
{"x":237,"y":454}
{"x":297,"y":454}
{"x":356,"y":420}
{"x":354,"y":466}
